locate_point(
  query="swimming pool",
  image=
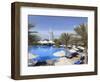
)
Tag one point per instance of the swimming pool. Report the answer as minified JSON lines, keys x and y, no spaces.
{"x":44,"y":53}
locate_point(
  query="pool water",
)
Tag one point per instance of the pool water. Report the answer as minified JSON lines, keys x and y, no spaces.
{"x":45,"y":52}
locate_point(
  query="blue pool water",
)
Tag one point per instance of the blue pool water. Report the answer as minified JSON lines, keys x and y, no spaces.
{"x":44,"y":52}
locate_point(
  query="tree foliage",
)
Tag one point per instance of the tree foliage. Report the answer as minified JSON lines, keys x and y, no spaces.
{"x":81,"y":30}
{"x":65,"y":38}
{"x":57,"y":42}
{"x":32,"y":36}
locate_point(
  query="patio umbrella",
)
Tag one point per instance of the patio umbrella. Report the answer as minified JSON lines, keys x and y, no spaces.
{"x":43,"y":42}
{"x":51,"y":42}
{"x":40,"y":42}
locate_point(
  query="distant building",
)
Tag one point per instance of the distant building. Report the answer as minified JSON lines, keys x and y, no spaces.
{"x":51,"y":36}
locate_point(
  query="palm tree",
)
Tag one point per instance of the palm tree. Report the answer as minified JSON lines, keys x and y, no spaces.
{"x":57,"y":42}
{"x":75,"y":40}
{"x":32,"y":36}
{"x":82,"y":30}
{"x":65,"y":38}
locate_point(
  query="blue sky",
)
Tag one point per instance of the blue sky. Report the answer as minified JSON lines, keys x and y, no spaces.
{"x":58,"y":24}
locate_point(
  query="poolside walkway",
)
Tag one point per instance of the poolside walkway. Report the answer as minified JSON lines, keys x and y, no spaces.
{"x":66,"y":61}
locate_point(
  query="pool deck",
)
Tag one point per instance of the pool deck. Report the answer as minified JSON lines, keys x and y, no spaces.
{"x":66,"y":61}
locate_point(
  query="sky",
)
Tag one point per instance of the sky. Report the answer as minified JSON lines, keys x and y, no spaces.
{"x":56,"y":24}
